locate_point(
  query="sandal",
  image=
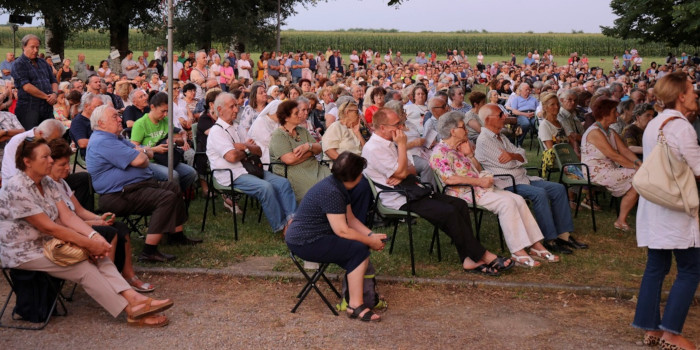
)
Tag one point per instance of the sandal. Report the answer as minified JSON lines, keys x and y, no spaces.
{"x":147,"y":310}
{"x":623,"y":227}
{"x":484,"y":269}
{"x":500,"y":263}
{"x":140,"y":286}
{"x":367,"y":317}
{"x":143,"y":324}
{"x":543,"y":255}
{"x":525,"y":261}
{"x":586,"y":203}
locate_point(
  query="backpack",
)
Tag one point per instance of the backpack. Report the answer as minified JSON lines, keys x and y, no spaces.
{"x":35,"y":294}
{"x":370,"y":296}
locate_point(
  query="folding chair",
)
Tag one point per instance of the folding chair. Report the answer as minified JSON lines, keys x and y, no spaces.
{"x":55,"y":286}
{"x":395,"y":216}
{"x":311,"y":283}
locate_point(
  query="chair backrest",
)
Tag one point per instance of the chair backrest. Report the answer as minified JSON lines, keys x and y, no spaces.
{"x":194,"y":135}
{"x":565,"y":154}
{"x":380,"y":206}
{"x":438,"y":182}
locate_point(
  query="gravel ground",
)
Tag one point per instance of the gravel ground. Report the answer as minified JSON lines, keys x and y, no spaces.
{"x":221,"y":312}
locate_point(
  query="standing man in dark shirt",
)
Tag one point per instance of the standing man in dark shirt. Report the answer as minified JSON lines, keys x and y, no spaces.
{"x":36,"y":85}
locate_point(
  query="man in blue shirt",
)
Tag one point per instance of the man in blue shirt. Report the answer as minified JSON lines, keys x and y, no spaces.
{"x":296,"y":66}
{"x":6,"y":66}
{"x":528,"y":60}
{"x":80,"y":129}
{"x":126,"y":186}
{"x":524,"y":106}
{"x":36,"y":85}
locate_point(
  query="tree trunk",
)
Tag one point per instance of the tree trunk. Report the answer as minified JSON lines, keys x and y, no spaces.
{"x":204,"y":40}
{"x":54,"y":35}
{"x":119,"y":36}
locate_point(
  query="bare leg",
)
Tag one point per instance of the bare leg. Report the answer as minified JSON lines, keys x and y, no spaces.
{"x":626,"y":205}
{"x":128,"y":270}
{"x":154,"y":238}
{"x":113,"y":250}
{"x":356,"y":280}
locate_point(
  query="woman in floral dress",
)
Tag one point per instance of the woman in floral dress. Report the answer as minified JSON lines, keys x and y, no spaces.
{"x":610,"y":162}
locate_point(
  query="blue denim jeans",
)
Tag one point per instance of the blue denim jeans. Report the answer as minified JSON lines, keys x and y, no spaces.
{"x":525,"y":124}
{"x":275,"y":195}
{"x":183,"y":174}
{"x":648,"y":316}
{"x":550,"y":203}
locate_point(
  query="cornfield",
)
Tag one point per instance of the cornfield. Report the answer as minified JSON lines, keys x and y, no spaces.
{"x":494,"y":44}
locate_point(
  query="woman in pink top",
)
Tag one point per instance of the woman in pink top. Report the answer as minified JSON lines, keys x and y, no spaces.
{"x":225,"y":75}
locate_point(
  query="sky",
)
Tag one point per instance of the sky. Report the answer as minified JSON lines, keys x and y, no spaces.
{"x":540,"y":16}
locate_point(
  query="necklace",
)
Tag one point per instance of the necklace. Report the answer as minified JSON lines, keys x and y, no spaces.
{"x":296,"y":138}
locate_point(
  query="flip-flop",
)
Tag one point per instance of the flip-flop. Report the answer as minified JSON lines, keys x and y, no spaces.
{"x":148,"y":309}
{"x":500,"y":263}
{"x":484,"y":269}
{"x":143,"y":324}
{"x":144,"y":288}
{"x":623,"y":228}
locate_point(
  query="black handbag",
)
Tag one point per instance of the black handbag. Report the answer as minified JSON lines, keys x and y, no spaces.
{"x":253,"y":165}
{"x":162,"y":158}
{"x":415,"y":189}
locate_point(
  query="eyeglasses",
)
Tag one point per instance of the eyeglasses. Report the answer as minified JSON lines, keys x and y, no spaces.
{"x":463,"y":127}
{"x":500,"y":115}
{"x":441,"y":107}
{"x":397,"y":125}
{"x":26,"y":141}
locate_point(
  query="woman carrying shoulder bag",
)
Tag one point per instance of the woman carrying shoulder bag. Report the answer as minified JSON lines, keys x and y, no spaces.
{"x":667,"y":232}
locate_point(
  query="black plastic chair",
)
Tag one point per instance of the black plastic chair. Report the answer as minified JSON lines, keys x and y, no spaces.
{"x":312,"y":283}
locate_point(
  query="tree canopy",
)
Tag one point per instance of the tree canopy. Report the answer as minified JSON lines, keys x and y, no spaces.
{"x":674,"y":22}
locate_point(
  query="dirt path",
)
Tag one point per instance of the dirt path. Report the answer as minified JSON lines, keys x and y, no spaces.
{"x":213,"y":312}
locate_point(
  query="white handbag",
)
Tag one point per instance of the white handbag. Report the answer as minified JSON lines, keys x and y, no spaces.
{"x":666,"y":180}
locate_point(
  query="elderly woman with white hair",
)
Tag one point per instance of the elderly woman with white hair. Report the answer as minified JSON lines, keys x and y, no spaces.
{"x":454,"y":162}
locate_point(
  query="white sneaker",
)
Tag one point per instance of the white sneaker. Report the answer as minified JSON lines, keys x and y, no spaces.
{"x":309,"y":265}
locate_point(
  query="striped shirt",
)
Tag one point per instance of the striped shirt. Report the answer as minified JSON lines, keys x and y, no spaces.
{"x":489,"y":147}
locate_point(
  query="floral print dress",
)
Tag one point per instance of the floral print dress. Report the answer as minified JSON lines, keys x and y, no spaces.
{"x":449,"y":162}
{"x":604,"y":171}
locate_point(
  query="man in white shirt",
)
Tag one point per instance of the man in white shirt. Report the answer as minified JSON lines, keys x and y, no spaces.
{"x":225,"y":150}
{"x":48,"y":130}
{"x":177,"y":68}
{"x":243,"y":66}
{"x":129,"y":66}
{"x":354,"y":58}
{"x":388,"y":165}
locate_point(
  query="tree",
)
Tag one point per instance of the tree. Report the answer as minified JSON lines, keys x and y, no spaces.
{"x":59,"y":17}
{"x":674,"y":22}
{"x":229,"y":21}
{"x":117,"y":16}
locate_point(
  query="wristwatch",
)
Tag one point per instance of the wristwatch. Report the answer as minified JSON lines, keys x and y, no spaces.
{"x":247,"y":152}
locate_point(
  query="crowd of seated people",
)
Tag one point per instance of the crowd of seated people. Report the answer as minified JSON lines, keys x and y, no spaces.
{"x":405,"y":119}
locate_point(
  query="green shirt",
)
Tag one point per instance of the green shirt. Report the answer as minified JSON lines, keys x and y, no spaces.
{"x":148,"y":134}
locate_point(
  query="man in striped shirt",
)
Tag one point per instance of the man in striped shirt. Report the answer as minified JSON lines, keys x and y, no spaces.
{"x":550,"y":201}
